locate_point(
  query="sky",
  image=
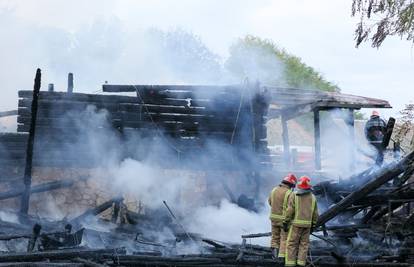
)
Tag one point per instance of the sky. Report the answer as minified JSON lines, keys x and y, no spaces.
{"x":319,"y":31}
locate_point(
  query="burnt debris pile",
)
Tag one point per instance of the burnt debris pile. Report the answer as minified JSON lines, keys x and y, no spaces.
{"x":366,"y":220}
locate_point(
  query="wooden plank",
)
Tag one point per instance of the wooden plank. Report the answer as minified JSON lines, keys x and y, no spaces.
{"x":80,"y":97}
{"x":25,"y":199}
{"x":52,"y":129}
{"x":62,"y":106}
{"x":351,"y":129}
{"x":8,"y":113}
{"x":13,"y":154}
{"x":116,"y":99}
{"x":13,"y":137}
{"x":49,"y":186}
{"x":190,"y":88}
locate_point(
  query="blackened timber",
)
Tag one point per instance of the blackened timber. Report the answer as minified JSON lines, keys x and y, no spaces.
{"x":257,"y":235}
{"x":70,"y":82}
{"x":200,"y":89}
{"x":376,"y":180}
{"x":38,"y":188}
{"x":8,"y":113}
{"x":346,"y":227}
{"x":388,"y":132}
{"x":57,"y":255}
{"x":97,"y":210}
{"x":24,"y":205}
{"x":383,"y":199}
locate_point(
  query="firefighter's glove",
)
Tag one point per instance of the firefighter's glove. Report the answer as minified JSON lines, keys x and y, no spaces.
{"x":285,"y":227}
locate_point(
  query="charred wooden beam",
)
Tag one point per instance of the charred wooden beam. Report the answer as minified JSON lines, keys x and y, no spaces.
{"x":38,"y":188}
{"x":57,"y":255}
{"x":24,"y":205}
{"x":257,"y":235}
{"x":8,"y":113}
{"x":378,"y":178}
{"x":344,"y":227}
{"x":97,"y":210}
{"x":388,"y":132}
{"x":70,"y":82}
{"x":36,"y":232}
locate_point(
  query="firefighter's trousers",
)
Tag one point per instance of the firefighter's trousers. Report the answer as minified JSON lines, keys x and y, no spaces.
{"x":278,"y":239}
{"x":297,"y":246}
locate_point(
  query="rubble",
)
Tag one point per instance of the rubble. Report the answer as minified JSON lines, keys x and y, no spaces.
{"x":366,"y":219}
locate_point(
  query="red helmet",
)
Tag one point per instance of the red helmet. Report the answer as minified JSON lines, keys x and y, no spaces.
{"x":304,"y":183}
{"x":375,"y":113}
{"x":291,"y":179}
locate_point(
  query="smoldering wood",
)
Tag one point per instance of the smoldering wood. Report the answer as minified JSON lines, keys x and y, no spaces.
{"x":388,"y":132}
{"x":376,"y":180}
{"x":87,"y":263}
{"x":33,"y":238}
{"x":24,"y":202}
{"x":98,"y":209}
{"x":57,"y":255}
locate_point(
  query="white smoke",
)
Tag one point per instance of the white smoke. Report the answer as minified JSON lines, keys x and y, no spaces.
{"x":105,"y":51}
{"x":227,"y":222}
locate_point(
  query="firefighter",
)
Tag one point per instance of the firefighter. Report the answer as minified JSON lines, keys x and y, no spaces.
{"x":301,"y":216}
{"x":278,"y":201}
{"x":374,"y":132}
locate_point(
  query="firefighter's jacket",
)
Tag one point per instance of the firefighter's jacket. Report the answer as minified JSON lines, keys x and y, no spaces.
{"x":302,"y":209}
{"x":278,"y":200}
{"x":375,"y":129}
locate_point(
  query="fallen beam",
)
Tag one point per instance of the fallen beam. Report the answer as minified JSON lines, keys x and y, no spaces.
{"x":57,"y":255}
{"x":376,"y":180}
{"x":97,"y":210}
{"x":38,"y":188}
{"x":8,"y":113}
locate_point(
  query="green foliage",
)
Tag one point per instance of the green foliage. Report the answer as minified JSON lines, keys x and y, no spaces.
{"x":358,"y":115}
{"x":263,"y":60}
{"x":382,"y":18}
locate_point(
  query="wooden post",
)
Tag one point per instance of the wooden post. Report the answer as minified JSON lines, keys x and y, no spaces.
{"x":70,"y":82}
{"x":317,"y":133}
{"x":351,"y":127}
{"x":24,"y":203}
{"x":50,"y":87}
{"x":285,"y":137}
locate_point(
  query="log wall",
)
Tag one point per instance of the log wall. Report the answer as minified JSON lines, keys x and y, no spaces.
{"x":187,"y":118}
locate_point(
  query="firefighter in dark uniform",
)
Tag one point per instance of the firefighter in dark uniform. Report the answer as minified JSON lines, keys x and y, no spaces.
{"x":374,"y":132}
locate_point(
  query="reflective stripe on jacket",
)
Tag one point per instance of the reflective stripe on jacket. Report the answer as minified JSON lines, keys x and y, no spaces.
{"x":302,"y":210}
{"x":278,"y":201}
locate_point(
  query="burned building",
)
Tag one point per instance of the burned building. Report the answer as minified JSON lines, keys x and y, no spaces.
{"x":205,"y":128}
{"x":217,"y":135}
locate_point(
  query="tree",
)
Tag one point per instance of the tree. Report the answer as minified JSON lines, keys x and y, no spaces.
{"x":382,"y":18}
{"x":261,"y":59}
